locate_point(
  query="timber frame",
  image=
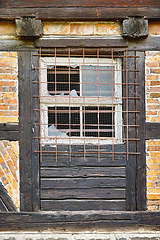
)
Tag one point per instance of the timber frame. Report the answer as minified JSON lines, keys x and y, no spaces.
{"x":29,"y":217}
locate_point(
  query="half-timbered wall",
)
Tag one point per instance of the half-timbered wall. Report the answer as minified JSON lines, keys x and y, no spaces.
{"x":8,"y":113}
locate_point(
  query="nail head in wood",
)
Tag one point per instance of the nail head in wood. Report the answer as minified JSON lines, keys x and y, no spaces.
{"x":28,"y":27}
{"x":135,"y":27}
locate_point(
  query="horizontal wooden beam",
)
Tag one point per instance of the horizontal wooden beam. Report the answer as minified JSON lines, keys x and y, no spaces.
{"x":80,"y":13}
{"x":9,"y":132}
{"x":152,"y":130}
{"x":81,"y":42}
{"x":78,"y":219}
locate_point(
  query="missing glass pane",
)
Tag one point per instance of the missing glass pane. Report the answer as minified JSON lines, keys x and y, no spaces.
{"x":63,"y":80}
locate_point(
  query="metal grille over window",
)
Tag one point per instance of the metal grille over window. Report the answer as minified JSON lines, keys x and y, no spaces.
{"x":89,"y":121}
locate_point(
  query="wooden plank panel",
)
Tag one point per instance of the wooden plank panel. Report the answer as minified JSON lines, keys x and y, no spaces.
{"x":152,"y":130}
{"x":73,"y":3}
{"x":96,"y":193}
{"x":81,"y":205}
{"x":84,"y":171}
{"x":88,"y":183}
{"x":80,"y":13}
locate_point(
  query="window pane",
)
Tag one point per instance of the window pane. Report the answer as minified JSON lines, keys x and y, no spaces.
{"x":105,"y":122}
{"x":98,"y":81}
{"x":62,"y":81}
{"x":59,"y":124}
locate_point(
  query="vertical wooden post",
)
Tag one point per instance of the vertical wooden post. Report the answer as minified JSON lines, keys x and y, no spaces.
{"x":29,"y":168}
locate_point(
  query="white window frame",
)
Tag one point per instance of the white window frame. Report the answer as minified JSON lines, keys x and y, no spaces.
{"x":47,"y":100}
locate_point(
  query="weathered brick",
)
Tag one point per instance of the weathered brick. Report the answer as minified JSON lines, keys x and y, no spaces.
{"x":81,"y":29}
{"x":7,"y":28}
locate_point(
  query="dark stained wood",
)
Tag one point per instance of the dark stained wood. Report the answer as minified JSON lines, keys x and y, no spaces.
{"x":85,"y":172}
{"x":83,"y":42}
{"x":140,"y":119}
{"x":35,"y":131}
{"x":6,"y":203}
{"x":152,"y":130}
{"x":129,"y":105}
{"x":80,"y":220}
{"x":80,"y":13}
{"x":80,"y":205}
{"x":25,"y":128}
{"x":79,"y":3}
{"x":9,"y":132}
{"x":95,"y":193}
{"x":148,"y":44}
{"x":87,"y":183}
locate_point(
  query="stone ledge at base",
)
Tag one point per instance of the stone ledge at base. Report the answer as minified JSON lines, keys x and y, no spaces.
{"x":78,"y":236}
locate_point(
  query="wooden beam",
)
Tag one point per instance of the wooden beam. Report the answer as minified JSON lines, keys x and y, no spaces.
{"x":152,"y":130}
{"x":81,"y":42}
{"x":82,"y":220}
{"x":6,"y":203}
{"x":80,"y":13}
{"x":140,"y":119}
{"x":9,"y":132}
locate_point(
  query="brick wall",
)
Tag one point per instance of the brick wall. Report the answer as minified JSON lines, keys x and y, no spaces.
{"x":9,"y":99}
{"x":9,"y":114}
{"x":9,"y":174}
{"x":153,"y":115}
{"x":8,"y":87}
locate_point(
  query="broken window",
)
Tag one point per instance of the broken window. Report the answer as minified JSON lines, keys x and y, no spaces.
{"x":81,"y":99}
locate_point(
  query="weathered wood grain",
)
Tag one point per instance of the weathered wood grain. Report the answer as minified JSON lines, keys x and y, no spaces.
{"x":91,"y":220}
{"x":81,"y":205}
{"x":96,"y":193}
{"x":152,"y":130}
{"x":85,"y":183}
{"x":6,"y":203}
{"x":80,"y":13}
{"x":83,"y":172}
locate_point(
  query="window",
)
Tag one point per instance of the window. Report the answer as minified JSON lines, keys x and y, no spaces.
{"x":81,"y":99}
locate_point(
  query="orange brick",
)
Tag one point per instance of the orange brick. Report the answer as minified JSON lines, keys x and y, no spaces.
{"x":155,"y":119}
{"x":1,"y":173}
{"x":153,"y":173}
{"x":153,"y":196}
{"x":81,"y":29}
{"x":12,"y":168}
{"x":13,"y":54}
{"x":154,"y":28}
{"x":155,"y":83}
{"x":15,"y":149}
{"x":12,"y":182}
{"x":3,"y":107}
{"x":13,"y":156}
{"x":149,"y":184}
{"x":153,"y":190}
{"x":11,"y":101}
{"x":152,"y":64}
{"x":8,"y":83}
{"x":1,"y":159}
{"x":151,"y":112}
{"x":155,"y":154}
{"x":153,"y":160}
{"x":153,"y":166}
{"x":4,"y":65}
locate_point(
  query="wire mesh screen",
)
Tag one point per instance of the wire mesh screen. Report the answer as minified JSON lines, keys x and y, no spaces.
{"x":88,"y":104}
